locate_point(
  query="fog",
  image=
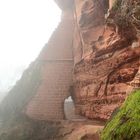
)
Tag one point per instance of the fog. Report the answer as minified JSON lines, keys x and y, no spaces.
{"x":25,"y":27}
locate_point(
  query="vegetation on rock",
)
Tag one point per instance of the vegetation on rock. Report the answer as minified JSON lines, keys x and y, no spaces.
{"x":126,"y":124}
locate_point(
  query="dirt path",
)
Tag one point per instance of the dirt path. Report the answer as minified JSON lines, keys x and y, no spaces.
{"x":81,"y":130}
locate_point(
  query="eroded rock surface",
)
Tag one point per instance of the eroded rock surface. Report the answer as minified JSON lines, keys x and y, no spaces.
{"x":108,"y":60}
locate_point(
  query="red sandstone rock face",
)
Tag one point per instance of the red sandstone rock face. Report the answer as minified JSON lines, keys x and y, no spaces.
{"x":106,"y":61}
{"x":109,"y":62}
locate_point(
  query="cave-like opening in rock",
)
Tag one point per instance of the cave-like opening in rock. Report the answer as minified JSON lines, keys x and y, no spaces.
{"x":69,"y":108}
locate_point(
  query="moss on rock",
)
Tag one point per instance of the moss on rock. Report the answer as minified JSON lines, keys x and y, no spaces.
{"x":126,"y":124}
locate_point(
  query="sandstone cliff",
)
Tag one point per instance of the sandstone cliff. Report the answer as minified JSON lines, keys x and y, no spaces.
{"x":93,"y":56}
{"x":108,"y":60}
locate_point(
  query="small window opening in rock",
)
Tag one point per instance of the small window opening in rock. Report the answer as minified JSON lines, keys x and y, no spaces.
{"x":69,"y":110}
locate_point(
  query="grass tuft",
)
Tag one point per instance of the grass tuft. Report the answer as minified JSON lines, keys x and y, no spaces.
{"x":126,"y":124}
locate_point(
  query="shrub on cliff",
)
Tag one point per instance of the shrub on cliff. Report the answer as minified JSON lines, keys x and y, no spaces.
{"x":126,"y":124}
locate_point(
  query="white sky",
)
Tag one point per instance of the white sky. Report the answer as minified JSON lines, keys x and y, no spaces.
{"x":25,"y":26}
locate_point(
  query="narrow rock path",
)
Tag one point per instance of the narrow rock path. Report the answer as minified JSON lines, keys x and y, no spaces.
{"x":82,"y":130}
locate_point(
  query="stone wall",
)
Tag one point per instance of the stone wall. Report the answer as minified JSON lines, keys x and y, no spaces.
{"x":56,"y":73}
{"x":48,"y":103}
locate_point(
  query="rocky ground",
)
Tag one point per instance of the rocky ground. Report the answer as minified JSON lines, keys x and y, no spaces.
{"x":26,"y":129}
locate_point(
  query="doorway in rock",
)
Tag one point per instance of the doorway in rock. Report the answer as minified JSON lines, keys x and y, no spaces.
{"x":69,"y":110}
